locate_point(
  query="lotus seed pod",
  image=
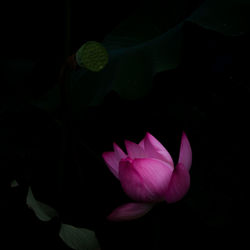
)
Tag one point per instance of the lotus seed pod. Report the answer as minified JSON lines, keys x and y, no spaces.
{"x":92,"y":56}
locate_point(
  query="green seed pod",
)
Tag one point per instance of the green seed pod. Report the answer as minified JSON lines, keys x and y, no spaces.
{"x":92,"y":56}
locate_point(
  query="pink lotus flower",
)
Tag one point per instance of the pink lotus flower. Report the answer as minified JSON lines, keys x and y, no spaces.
{"x":147,"y":175}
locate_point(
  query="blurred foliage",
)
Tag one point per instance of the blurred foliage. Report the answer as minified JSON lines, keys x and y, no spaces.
{"x":78,"y":238}
{"x":75,"y":238}
{"x":42,"y":211}
{"x":154,"y":44}
{"x":229,"y":17}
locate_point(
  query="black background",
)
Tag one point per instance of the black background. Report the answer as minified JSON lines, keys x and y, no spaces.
{"x":207,"y":96}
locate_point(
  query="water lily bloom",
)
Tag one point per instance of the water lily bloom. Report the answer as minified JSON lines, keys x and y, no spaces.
{"x":147,"y":175}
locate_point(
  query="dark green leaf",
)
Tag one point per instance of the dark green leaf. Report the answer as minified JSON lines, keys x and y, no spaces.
{"x":79,"y":238}
{"x":229,"y":17}
{"x":42,"y":211}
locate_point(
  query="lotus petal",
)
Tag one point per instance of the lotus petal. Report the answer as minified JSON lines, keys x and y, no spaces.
{"x":130,"y":211}
{"x":145,"y":180}
{"x":154,"y":149}
{"x":134,"y":150}
{"x":112,"y":162}
{"x":185,"y":156}
{"x":179,"y":184}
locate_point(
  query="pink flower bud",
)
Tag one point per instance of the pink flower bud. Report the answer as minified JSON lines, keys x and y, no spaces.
{"x":147,"y":175}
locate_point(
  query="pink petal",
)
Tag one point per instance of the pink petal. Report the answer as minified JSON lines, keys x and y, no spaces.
{"x":179,"y":184}
{"x":145,"y":180}
{"x":134,"y":150}
{"x":118,"y":152}
{"x":112,"y":159}
{"x":130,"y":211}
{"x":112,"y":162}
{"x":185,"y":156}
{"x":154,"y":149}
{"x":141,"y":143}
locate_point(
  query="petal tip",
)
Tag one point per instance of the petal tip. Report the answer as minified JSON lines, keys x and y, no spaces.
{"x":185,"y":156}
{"x":115,"y":146}
{"x":104,"y":155}
{"x":148,"y":135}
{"x":112,"y":162}
{"x":184,"y":136}
{"x":127,"y":143}
{"x":151,"y":138}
